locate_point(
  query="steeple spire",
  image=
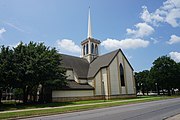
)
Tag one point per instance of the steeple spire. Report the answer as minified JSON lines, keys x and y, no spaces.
{"x":90,"y":46}
{"x":89,"y":35}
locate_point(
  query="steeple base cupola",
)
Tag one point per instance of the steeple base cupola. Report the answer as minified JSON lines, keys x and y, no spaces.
{"x":90,"y":49}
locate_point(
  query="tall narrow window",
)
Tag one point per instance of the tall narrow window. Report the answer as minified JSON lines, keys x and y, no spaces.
{"x":122,"y":75}
{"x":92,"y":48}
{"x":96,"y":49}
{"x":84,"y":50}
{"x":87,"y":48}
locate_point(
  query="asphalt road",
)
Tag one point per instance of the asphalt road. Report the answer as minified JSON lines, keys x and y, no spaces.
{"x":156,"y":110}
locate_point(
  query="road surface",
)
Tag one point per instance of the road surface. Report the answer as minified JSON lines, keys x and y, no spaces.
{"x":155,"y":110}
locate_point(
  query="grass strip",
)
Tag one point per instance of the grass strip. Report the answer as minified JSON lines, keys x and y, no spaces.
{"x":8,"y":106}
{"x":72,"y":108}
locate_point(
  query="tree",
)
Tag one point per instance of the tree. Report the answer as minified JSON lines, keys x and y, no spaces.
{"x":177,"y":79}
{"x":18,"y":94}
{"x":7,"y":69}
{"x":20,"y":61}
{"x":163,"y":72}
{"x":37,"y":65}
{"x":28,"y":66}
{"x":143,"y":81}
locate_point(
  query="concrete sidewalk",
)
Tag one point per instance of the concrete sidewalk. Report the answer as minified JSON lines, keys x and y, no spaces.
{"x":68,"y":106}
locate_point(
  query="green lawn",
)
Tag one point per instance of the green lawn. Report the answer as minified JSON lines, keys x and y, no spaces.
{"x":68,"y":106}
{"x":18,"y":106}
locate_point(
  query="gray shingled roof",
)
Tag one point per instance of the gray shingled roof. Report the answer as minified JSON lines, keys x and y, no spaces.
{"x":73,"y":85}
{"x":79,"y":65}
{"x":84,"y":69}
{"x":99,"y":62}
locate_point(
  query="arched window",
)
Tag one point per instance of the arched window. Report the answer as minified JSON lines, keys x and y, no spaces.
{"x":122,"y":75}
{"x":92,"y":48}
{"x":86,"y":48}
{"x":96,"y":49}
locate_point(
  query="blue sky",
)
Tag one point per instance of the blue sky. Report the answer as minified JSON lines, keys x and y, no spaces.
{"x":143,"y":29}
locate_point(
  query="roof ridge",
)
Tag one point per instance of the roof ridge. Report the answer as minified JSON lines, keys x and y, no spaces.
{"x":101,"y":61}
{"x":115,"y":51}
{"x":73,"y":56}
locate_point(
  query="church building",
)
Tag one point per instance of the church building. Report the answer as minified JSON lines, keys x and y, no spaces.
{"x":95,"y":76}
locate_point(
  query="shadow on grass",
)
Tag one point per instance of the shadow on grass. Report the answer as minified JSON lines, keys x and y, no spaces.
{"x":18,"y":106}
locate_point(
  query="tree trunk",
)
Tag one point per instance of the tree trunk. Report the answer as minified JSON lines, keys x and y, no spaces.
{"x":25,"y":95}
{"x":143,"y":90}
{"x":163,"y":90}
{"x":147,"y":92}
{"x":158,"y":90}
{"x":0,"y":95}
{"x":47,"y":94}
{"x":35,"y":98}
{"x":30,"y":97}
{"x":41,"y":95}
{"x":169,"y":92}
{"x":172,"y":92}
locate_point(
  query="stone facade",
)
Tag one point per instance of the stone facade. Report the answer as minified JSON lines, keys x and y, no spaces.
{"x":72,"y":99}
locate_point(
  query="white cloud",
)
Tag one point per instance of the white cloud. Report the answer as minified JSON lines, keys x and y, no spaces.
{"x":151,"y":17}
{"x":112,"y":44}
{"x":142,"y":29}
{"x":14,"y":26}
{"x":174,"y":39}
{"x":155,"y":41}
{"x":129,"y":56}
{"x":14,"y":45}
{"x":145,"y":15}
{"x":169,"y":4}
{"x":68,"y":46}
{"x":175,"y":56}
{"x":172,"y":17}
{"x":2,"y":30}
{"x":176,"y":3}
{"x":169,"y":12}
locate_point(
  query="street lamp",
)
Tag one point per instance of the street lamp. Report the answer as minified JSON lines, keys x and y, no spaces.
{"x":103,"y":91}
{"x":142,"y":89}
{"x":138,"y":89}
{"x":156,"y":89}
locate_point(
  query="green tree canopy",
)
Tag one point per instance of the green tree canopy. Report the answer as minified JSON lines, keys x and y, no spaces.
{"x":28,"y":66}
{"x":7,"y":69}
{"x":164,"y":71}
{"x":144,"y":81}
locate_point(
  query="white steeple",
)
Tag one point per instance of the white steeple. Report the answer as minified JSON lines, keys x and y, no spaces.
{"x":89,"y":35}
{"x":90,"y":46}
